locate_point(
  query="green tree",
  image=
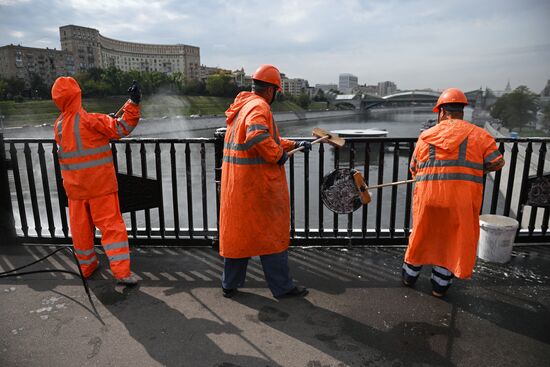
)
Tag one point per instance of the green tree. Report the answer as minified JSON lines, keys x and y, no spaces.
{"x":178,"y":81}
{"x":320,"y":96}
{"x":113,"y":78}
{"x":3,"y":88}
{"x":38,"y":87}
{"x":81,"y":77}
{"x":516,"y":109}
{"x":281,"y":97}
{"x":546,"y":116}
{"x":152,"y":81}
{"x":194,"y":87}
{"x":489,"y":98}
{"x":126,"y":79}
{"x":95,"y":74}
{"x":16,"y":86}
{"x":92,"y":88}
{"x":303,"y":101}
{"x":291,"y":97}
{"x":220,"y":84}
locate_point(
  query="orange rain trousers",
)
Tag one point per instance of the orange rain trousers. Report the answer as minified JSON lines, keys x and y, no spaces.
{"x":102,"y":212}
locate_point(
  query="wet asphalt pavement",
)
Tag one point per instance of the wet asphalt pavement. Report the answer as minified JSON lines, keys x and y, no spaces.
{"x":356,"y":314}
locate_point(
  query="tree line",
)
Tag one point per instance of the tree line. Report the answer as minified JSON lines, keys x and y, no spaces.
{"x":96,"y":82}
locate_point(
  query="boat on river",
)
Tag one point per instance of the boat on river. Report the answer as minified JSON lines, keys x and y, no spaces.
{"x":359,"y":149}
{"x":361,"y":133}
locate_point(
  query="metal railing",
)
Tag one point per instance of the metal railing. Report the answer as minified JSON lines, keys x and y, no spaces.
{"x":188,"y":173}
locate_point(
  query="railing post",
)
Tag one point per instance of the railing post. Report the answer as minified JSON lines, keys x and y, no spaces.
{"x":218,"y":153}
{"x":7,"y":223}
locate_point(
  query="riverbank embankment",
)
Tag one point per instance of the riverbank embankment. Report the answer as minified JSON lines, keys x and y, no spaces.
{"x":40,"y":112}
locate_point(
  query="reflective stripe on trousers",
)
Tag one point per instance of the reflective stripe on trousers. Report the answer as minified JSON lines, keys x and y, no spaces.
{"x":87,"y":261}
{"x":441,"y":279}
{"x":113,"y":254}
{"x":411,"y":270}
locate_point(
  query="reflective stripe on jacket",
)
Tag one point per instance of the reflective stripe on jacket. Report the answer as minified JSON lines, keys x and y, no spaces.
{"x":255,"y":208}
{"x":448,"y":168}
{"x":82,"y":139}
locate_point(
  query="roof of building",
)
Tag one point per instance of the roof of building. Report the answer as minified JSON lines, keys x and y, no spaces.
{"x":345,"y":96}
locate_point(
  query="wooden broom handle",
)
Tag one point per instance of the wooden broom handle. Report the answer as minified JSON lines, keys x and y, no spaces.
{"x":313,"y":142}
{"x":121,"y":110}
{"x":390,"y":184}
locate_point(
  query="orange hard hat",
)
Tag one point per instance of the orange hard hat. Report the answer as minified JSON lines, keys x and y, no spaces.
{"x":269,"y":74}
{"x":451,"y":95}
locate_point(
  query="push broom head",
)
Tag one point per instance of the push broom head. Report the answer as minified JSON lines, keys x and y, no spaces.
{"x":361,"y":187}
{"x":331,"y":138}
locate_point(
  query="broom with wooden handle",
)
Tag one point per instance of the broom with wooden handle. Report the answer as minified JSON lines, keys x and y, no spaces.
{"x":323,"y":136}
{"x":363,"y":188}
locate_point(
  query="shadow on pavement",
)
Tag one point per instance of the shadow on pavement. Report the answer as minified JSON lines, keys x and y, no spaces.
{"x":405,"y":345}
{"x":168,"y":336}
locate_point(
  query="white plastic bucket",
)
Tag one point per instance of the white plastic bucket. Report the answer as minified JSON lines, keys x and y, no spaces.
{"x":496,"y":237}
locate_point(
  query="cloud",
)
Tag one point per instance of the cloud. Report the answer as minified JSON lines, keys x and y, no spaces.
{"x":423,"y":43}
{"x":17,"y":34}
{"x":12,"y":2}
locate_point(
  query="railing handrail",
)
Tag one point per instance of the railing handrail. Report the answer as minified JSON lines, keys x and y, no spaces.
{"x":211,"y":140}
{"x":121,"y":141}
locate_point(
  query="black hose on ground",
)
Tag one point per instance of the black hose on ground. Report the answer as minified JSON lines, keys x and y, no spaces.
{"x":14,"y":273}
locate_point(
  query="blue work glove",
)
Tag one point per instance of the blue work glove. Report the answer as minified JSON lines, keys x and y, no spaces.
{"x":283,"y":159}
{"x":303,"y":143}
{"x":135,"y":92}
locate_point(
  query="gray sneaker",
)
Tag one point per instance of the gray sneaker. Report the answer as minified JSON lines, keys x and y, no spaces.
{"x":130,"y":280}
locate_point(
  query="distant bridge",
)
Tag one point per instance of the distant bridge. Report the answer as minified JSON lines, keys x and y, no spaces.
{"x":366,"y":101}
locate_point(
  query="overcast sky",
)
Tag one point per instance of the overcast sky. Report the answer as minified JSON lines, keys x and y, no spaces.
{"x":416,"y":44}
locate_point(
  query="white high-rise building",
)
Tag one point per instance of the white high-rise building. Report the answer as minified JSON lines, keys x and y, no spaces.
{"x":386,"y":88}
{"x":347,"y":82}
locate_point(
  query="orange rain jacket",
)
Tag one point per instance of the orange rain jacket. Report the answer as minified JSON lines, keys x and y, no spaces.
{"x":448,"y":167}
{"x":255,"y":207}
{"x":82,"y":138}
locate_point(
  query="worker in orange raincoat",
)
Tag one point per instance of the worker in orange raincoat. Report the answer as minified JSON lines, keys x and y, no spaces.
{"x":255,"y":207}
{"x":89,"y":176}
{"x":448,"y":164}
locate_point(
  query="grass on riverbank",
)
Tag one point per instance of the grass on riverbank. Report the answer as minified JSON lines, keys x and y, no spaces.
{"x":528,"y":132}
{"x":45,"y":111}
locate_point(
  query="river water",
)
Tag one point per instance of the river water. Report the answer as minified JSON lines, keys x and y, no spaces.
{"x":399,"y":122}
